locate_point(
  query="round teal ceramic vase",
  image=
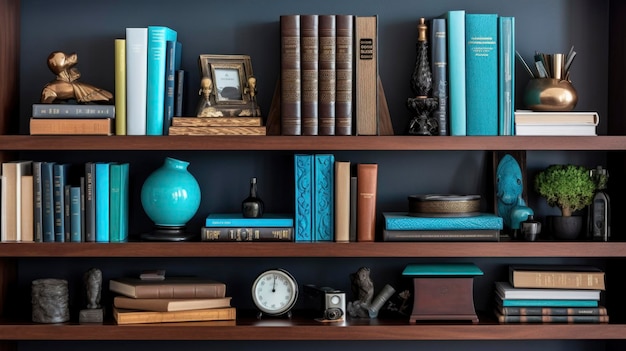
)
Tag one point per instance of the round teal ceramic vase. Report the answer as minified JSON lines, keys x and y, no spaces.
{"x":171,"y":195}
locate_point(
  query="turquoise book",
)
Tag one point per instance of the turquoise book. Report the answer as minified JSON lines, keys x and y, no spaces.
{"x":101,"y":188}
{"x":545,"y":302}
{"x":59,"y":172}
{"x":506,"y":75}
{"x":455,"y":21}
{"x":439,"y":67}
{"x":481,"y":73}
{"x":238,"y":220}
{"x":118,"y":202}
{"x":158,"y":36}
{"x":442,"y":270}
{"x":402,"y":221}
{"x":75,"y":215}
{"x":303,"y":169}
{"x":324,"y":211}
{"x":47,"y":201}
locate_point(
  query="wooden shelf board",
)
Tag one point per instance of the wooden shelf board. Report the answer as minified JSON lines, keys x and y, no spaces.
{"x":302,"y":143}
{"x":268,"y":249}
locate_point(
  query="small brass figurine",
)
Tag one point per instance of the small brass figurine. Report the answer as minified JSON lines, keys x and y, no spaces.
{"x":66,"y":85}
{"x":421,"y":82}
{"x":207,"y":101}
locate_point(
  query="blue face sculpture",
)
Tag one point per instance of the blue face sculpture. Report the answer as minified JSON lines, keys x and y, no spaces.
{"x":510,"y":184}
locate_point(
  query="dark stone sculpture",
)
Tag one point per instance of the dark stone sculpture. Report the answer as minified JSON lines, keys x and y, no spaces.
{"x":50,"y":301}
{"x":92,"y":279}
{"x":363,"y":290}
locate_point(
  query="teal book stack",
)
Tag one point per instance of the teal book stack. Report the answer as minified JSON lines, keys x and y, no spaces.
{"x":102,"y":209}
{"x":303,"y":169}
{"x":456,"y":69}
{"x":481,"y":75}
{"x":324,"y":212}
{"x":158,"y":36}
{"x":506,"y":75}
{"x":402,"y":221}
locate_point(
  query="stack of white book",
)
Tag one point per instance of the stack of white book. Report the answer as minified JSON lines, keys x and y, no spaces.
{"x":555,"y":123}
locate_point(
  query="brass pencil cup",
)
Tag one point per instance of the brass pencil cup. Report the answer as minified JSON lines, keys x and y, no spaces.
{"x":550,"y":94}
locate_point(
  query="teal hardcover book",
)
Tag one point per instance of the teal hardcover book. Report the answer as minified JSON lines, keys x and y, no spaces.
{"x":158,"y":36}
{"x":75,"y":215}
{"x":303,"y":169}
{"x":59,"y":172}
{"x":506,"y":77}
{"x":238,"y":220}
{"x":402,"y":221}
{"x":442,"y":270}
{"x":455,"y":21}
{"x":118,"y":202}
{"x":544,"y":303}
{"x":481,"y":73}
{"x":102,"y":202}
{"x":324,"y":212}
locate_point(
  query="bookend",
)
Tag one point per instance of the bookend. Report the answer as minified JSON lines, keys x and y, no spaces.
{"x":385,"y":127}
{"x":443,"y":291}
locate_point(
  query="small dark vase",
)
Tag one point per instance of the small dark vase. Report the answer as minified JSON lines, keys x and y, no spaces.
{"x":252,"y":206}
{"x":566,"y":228}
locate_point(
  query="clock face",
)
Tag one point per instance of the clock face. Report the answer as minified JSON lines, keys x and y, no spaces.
{"x":275,"y":292}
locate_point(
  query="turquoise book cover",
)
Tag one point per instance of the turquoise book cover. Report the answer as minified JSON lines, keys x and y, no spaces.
{"x":324,"y":212}
{"x":59,"y":172}
{"x":226,"y":220}
{"x":544,"y":303}
{"x":47,"y":204}
{"x":102,"y":184}
{"x":118,"y":231}
{"x":442,"y":270}
{"x":455,"y":21}
{"x":439,"y":66}
{"x":506,"y":75}
{"x":303,"y":225}
{"x":158,"y":36}
{"x":402,"y":221}
{"x":75,"y":215}
{"x":481,"y":73}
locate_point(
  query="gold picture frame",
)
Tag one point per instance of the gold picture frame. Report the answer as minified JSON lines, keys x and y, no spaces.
{"x":228,"y":86}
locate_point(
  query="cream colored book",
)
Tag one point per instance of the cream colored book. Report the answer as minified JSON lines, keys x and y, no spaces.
{"x":26,"y":202}
{"x":169,"y":305}
{"x":124,"y":316}
{"x":342,"y":201}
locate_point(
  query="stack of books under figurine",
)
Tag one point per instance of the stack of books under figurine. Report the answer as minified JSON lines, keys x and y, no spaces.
{"x":72,"y":119}
{"x":217,"y":126}
{"x":236,"y":227}
{"x":551,"y":294}
{"x":442,"y":217}
{"x":172,"y":299}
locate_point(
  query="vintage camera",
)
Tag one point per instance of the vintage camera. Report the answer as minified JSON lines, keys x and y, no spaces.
{"x":331,"y":302}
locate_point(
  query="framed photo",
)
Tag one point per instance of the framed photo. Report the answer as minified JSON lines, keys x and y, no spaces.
{"x":228,"y":86}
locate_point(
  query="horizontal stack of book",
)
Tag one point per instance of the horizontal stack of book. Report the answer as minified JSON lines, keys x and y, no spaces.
{"x":56,"y":202}
{"x":400,"y":226}
{"x":217,"y":126}
{"x":551,"y":294}
{"x":235,"y":227}
{"x":556,"y":123}
{"x":72,"y":119}
{"x":171,"y":299}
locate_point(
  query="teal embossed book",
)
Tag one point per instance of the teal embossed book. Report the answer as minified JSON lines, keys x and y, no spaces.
{"x":324,"y":212}
{"x":402,"y":221}
{"x":303,"y":169}
{"x":481,"y":73}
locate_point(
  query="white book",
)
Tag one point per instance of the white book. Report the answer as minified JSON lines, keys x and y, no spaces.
{"x":556,"y":118}
{"x":12,"y":173}
{"x":581,"y":129}
{"x":136,"y":80}
{"x":507,"y":291}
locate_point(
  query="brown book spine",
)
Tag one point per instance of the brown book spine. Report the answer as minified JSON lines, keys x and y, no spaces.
{"x":557,"y":279}
{"x":309,"y":65}
{"x":342,"y":201}
{"x":442,"y":235}
{"x":327,"y":76}
{"x":123,"y":316}
{"x":63,"y":126}
{"x":344,"y":74}
{"x":366,"y":31}
{"x":290,"y":89}
{"x":367,"y":183}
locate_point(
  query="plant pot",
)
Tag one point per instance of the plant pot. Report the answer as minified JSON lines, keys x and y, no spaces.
{"x":566,"y":228}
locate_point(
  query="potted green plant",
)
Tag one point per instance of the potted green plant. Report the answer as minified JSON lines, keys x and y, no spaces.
{"x":570,"y":188}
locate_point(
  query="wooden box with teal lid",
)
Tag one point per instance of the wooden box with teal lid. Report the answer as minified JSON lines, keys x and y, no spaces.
{"x":443,"y":291}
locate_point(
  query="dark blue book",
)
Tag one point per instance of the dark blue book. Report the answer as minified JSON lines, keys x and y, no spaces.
{"x":75,"y":214}
{"x":90,"y":202}
{"x":439,"y":64}
{"x":60,"y":171}
{"x":47,"y":201}
{"x":481,"y":73}
{"x":66,"y":212}
{"x":102,"y":192}
{"x":118,"y":202}
{"x":304,"y":197}
{"x":37,"y":203}
{"x":324,"y":211}
{"x":179,"y":92}
{"x":172,"y":49}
